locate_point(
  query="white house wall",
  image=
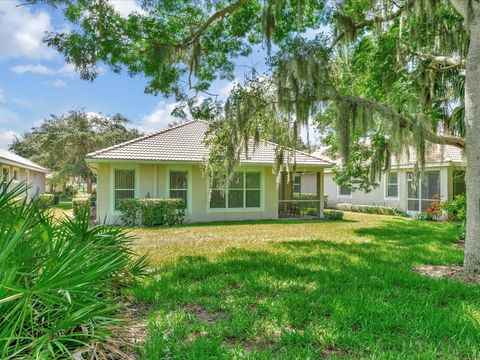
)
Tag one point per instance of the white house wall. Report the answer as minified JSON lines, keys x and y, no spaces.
{"x":377,"y":196}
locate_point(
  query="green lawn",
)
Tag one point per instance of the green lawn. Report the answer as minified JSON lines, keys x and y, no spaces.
{"x":307,"y":290}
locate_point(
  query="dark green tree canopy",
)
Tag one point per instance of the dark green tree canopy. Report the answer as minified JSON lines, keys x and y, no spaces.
{"x":61,"y":142}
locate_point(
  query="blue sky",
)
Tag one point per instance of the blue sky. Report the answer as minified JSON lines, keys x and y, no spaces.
{"x":36,"y":82}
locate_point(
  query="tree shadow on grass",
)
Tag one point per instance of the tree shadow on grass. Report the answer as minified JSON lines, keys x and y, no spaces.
{"x":308,"y":298}
{"x":254,"y":222}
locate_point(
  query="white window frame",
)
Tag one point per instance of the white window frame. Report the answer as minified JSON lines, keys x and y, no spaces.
{"x":340,"y":195}
{"x":180,"y":168}
{"x":244,"y":208}
{"x":112,"y":184}
{"x":387,"y":184}
{"x":17,"y":180}
{"x":420,"y":198}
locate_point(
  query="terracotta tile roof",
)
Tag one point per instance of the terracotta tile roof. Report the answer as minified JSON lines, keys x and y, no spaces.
{"x":184,"y":143}
{"x":435,"y":154}
{"x":16,"y":160}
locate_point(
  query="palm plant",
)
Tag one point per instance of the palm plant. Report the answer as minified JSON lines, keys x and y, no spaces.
{"x":59,"y":280}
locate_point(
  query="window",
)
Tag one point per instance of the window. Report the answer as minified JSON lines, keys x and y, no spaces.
{"x":15,"y":175}
{"x":243,"y":191}
{"x":124,"y":185}
{"x":179,"y":186}
{"x":297,"y":184}
{"x":345,"y":190}
{"x":392,"y":185}
{"x":421,"y":191}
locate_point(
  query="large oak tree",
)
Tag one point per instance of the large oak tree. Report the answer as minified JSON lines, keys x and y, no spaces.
{"x":403,"y":72}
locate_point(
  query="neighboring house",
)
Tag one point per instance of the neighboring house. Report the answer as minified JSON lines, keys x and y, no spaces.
{"x":168,"y":164}
{"x":18,"y":169}
{"x":444,"y":176}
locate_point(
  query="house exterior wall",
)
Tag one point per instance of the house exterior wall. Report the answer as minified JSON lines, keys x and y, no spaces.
{"x":378,"y":196}
{"x":308,"y":183}
{"x":36,"y":179}
{"x":153,"y":180}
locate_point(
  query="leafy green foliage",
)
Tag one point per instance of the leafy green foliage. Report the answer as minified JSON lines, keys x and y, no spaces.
{"x":371,"y":209}
{"x":45,"y":201}
{"x":81,"y":206}
{"x":61,"y":143}
{"x":152,"y":212}
{"x":333,"y":215}
{"x":457,"y":210}
{"x":59,"y":280}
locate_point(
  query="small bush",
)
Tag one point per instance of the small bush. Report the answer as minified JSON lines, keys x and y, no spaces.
{"x":61,"y":281}
{"x":457,"y":211}
{"x":56,"y":199}
{"x":371,"y":209}
{"x":45,"y":201}
{"x":80,"y":207}
{"x":130,"y":211}
{"x":333,"y":215}
{"x":423,"y":215}
{"x":152,"y":212}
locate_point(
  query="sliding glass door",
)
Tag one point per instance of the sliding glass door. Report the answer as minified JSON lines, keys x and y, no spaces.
{"x":422,"y":191}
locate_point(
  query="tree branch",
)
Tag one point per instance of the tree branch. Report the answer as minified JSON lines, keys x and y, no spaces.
{"x":220,"y":14}
{"x":440,"y":60}
{"x":404,"y":121}
{"x":376,"y":20}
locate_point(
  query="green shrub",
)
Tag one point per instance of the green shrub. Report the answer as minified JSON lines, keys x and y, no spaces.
{"x":162,"y":211}
{"x":333,"y":215}
{"x":423,"y":215}
{"x":152,"y":212}
{"x":44,"y":201}
{"x":371,"y":209}
{"x":130,"y":211}
{"x":457,"y":211}
{"x":80,"y":206}
{"x":56,"y":199}
{"x":60,"y":281}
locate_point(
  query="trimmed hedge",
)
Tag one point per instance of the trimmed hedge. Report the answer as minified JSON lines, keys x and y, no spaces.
{"x":80,"y":207}
{"x":333,"y":215}
{"x":45,"y":201}
{"x":152,"y":212}
{"x":370,"y":209}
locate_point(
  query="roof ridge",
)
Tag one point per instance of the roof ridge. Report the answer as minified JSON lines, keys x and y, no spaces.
{"x":140,"y":138}
{"x":299,"y":151}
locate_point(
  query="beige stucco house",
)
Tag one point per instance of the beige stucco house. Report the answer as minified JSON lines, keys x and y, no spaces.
{"x":444,"y":175}
{"x":168,"y":164}
{"x":18,"y":169}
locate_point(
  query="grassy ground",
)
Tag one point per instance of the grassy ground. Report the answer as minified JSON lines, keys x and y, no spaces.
{"x":307,"y":290}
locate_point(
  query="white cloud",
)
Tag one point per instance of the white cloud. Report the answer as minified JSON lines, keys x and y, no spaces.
{"x":20,"y":102}
{"x":59,"y":83}
{"x":67,"y":70}
{"x":2,"y":96}
{"x":6,"y":137}
{"x":225,"y":91}
{"x":8,"y":117}
{"x":21,"y":31}
{"x":125,"y":7}
{"x":159,"y":118}
{"x":33,"y":68}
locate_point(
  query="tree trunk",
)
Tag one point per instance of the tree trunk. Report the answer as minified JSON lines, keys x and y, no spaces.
{"x":472,"y":120}
{"x":89,"y":185}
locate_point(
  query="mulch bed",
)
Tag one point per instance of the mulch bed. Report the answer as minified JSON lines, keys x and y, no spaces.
{"x":451,"y":272}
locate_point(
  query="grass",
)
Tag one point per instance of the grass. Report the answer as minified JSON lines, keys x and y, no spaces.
{"x":307,"y":290}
